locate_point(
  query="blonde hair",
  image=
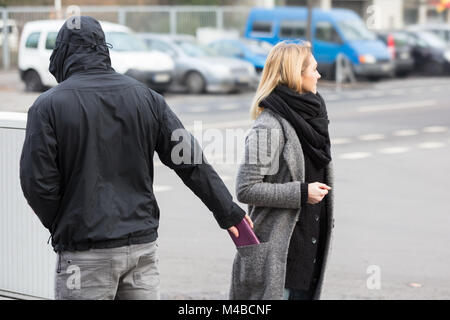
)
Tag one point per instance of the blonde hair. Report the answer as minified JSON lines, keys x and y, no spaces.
{"x":284,"y":65}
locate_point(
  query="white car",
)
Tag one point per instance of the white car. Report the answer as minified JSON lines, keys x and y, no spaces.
{"x":199,"y":69}
{"x":129,"y":55}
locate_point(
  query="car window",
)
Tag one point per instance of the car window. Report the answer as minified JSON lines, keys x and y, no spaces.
{"x":230,"y":50}
{"x":124,"y":41}
{"x":326,"y":32}
{"x":161,"y":46}
{"x":292,"y":29}
{"x":262,"y":27}
{"x":401,"y":39}
{"x":431,"y":39}
{"x":355,"y":29}
{"x":193,"y":49}
{"x":50,"y":41}
{"x":33,"y":40}
{"x":257,"y":46}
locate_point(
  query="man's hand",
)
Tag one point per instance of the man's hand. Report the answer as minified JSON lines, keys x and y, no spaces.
{"x":235,"y":231}
{"x":316,"y":192}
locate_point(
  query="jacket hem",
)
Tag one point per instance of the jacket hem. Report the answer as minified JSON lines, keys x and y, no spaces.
{"x":84,"y":246}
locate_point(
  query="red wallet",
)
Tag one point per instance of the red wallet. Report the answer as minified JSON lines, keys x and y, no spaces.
{"x":246,"y":235}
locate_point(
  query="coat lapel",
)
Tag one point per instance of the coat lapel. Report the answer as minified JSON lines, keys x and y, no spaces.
{"x":292,"y":152}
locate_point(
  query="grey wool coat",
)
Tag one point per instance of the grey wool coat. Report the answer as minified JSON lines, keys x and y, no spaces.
{"x":269,"y":181}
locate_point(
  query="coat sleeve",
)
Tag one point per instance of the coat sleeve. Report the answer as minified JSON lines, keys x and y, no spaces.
{"x":39,"y":174}
{"x":180,"y":151}
{"x":263,"y":147}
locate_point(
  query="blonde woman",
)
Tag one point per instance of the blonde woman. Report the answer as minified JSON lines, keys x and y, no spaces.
{"x":286,"y":180}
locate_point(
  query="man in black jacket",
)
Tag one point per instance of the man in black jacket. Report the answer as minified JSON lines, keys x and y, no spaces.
{"x":87,"y":171}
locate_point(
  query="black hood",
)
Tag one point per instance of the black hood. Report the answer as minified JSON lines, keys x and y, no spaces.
{"x":79,"y":49}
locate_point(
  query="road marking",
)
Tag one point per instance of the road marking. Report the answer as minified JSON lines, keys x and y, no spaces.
{"x":417,"y":90}
{"x":405,"y":133}
{"x":397,"y":92}
{"x":355,"y":155}
{"x":332,"y":97}
{"x":398,"y":106}
{"x":198,"y":109}
{"x":371,"y":137}
{"x":431,"y":145}
{"x":394,"y":150}
{"x":229,"y":107}
{"x":158,"y":188}
{"x":340,"y":140}
{"x":355,"y":95}
{"x":435,"y":129}
{"x":375,"y":93}
{"x":225,"y":178}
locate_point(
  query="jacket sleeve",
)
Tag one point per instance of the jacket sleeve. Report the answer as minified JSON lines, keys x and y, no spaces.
{"x":263,"y":147}
{"x":180,"y":151}
{"x":39,"y":174}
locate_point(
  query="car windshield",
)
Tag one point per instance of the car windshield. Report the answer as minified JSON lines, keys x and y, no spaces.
{"x":193,"y":49}
{"x":258,"y":47}
{"x":355,"y":30}
{"x":431,"y":39}
{"x":123,"y":41}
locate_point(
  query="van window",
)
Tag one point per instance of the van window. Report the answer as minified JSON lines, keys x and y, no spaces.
{"x":293,"y":29}
{"x":33,"y":40}
{"x":262,"y":27}
{"x":50,"y":41}
{"x":355,"y":30}
{"x":326,"y":32}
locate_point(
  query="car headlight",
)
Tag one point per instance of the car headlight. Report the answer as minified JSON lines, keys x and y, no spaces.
{"x":251,"y":69}
{"x":367,"y":58}
{"x":221,"y":71}
{"x":447,"y":56}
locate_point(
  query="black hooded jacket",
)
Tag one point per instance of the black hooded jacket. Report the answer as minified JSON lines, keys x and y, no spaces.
{"x":86,"y":167}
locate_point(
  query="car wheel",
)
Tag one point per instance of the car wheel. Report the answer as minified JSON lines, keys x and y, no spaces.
{"x":33,"y":82}
{"x":195,"y":82}
{"x":433,"y":69}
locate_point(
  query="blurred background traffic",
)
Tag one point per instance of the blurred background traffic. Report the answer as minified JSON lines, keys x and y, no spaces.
{"x":222,"y":47}
{"x":385,"y":79}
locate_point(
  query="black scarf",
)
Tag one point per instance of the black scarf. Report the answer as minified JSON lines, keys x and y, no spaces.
{"x":307,"y":113}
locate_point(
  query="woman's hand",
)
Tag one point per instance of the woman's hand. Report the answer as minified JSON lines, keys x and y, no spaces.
{"x":316,"y":192}
{"x":235,"y":231}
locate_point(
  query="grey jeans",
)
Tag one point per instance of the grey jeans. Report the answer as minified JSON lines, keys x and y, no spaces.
{"x":124,"y":273}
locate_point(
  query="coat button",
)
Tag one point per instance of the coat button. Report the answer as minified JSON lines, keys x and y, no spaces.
{"x":313,"y":240}
{"x":314,"y":260}
{"x":316,"y":217}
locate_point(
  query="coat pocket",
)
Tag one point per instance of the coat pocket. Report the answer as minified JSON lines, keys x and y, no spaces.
{"x":251,"y":268}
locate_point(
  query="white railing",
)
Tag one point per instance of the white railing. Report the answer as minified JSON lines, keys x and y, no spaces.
{"x":27,"y":262}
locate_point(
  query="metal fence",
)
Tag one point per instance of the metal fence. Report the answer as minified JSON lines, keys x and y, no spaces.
{"x":158,"y":19}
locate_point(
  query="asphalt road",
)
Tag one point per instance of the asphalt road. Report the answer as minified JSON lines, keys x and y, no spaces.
{"x":391,"y":151}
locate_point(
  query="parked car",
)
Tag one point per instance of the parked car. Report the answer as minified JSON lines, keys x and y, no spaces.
{"x":253,"y":51}
{"x":199,"y":69}
{"x":430,"y":53}
{"x":334,"y":31}
{"x":129,"y":55}
{"x":442,"y":30}
{"x":400,"y":47}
